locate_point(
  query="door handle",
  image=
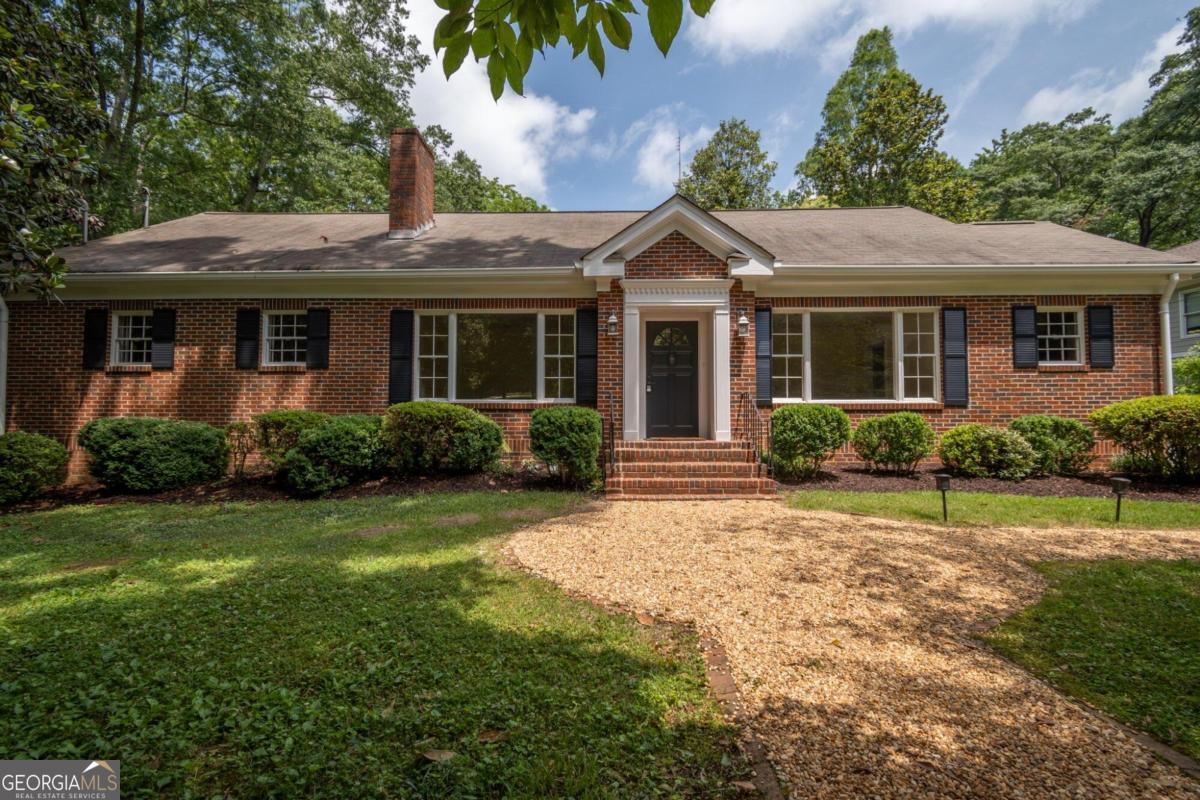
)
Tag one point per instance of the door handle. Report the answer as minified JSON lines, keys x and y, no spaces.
{"x":648,"y":386}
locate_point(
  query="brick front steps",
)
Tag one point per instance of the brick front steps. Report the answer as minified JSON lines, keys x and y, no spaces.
{"x":664,"y":469}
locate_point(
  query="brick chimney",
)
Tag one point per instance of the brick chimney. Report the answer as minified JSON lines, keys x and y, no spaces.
{"x":410,"y":185}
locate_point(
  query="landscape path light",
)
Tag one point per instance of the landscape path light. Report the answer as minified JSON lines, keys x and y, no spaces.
{"x":1119,"y":487}
{"x":943,"y":486}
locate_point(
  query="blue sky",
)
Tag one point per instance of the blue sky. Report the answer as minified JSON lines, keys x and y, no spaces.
{"x":578,"y":141}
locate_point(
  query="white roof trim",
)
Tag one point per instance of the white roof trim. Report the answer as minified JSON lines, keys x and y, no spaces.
{"x":678,"y":214}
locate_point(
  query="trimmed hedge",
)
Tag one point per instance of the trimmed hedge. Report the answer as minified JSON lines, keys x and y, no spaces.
{"x":29,"y":462}
{"x":1061,"y":446}
{"x":567,"y":438}
{"x":980,"y":451}
{"x":143,"y":454}
{"x":895,"y":442}
{"x":279,"y":431}
{"x":341,"y":451}
{"x":1161,"y":434}
{"x":805,"y":436}
{"x":424,"y":436}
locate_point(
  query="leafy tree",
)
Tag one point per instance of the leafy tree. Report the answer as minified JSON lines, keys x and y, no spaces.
{"x":1177,"y":82}
{"x":48,"y":121}
{"x":506,"y":33}
{"x":1152,"y":188}
{"x":1050,"y":171}
{"x":889,"y":155}
{"x":460,"y":185}
{"x":874,"y":56}
{"x":731,"y":170}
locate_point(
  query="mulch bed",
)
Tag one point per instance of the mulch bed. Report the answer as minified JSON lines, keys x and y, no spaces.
{"x":261,"y":488}
{"x":1090,"y":484}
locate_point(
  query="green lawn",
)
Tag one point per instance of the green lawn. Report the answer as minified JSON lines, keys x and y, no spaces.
{"x":979,"y":508}
{"x":1124,"y":636}
{"x":323,"y":648}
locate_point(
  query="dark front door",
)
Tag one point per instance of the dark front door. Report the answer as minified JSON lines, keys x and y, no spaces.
{"x":672,"y":397}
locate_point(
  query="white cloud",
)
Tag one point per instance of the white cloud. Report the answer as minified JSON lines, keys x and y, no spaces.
{"x":515,"y":139}
{"x":1107,"y":91}
{"x":736,"y":29}
{"x":657,"y":150}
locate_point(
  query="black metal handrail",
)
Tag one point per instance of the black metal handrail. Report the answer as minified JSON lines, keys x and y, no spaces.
{"x":610,"y":467}
{"x":753,"y":421}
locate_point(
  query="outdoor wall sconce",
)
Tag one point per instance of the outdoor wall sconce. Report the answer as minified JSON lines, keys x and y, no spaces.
{"x":743,"y":324}
{"x":943,"y":486}
{"x":1119,"y":487}
{"x":611,"y":325}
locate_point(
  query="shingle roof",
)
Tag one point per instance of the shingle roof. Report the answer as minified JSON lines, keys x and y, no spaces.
{"x":846,"y":236}
{"x":1188,"y":252}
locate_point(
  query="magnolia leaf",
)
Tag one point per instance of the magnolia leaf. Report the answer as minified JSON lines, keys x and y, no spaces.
{"x":496,"y":73}
{"x":595,"y":50}
{"x":665,"y":18}
{"x":483,"y":41}
{"x":456,"y":51}
{"x":516,"y":74}
{"x":489,"y":736}
{"x":617,"y":28}
{"x":438,"y":756}
{"x":701,"y":7}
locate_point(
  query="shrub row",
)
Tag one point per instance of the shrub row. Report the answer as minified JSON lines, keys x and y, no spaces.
{"x":310,"y":452}
{"x":805,"y":436}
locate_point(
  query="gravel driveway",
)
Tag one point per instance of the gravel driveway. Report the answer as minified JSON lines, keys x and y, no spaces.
{"x":850,"y":640}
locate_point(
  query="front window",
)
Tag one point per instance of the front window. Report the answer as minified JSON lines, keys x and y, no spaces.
{"x":1059,"y":337}
{"x":285,"y":342}
{"x":132,"y":338}
{"x":1191,"y":314}
{"x":496,"y":356}
{"x":854,"y":356}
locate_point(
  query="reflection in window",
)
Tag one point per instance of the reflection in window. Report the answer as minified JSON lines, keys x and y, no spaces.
{"x":852,"y":356}
{"x":558,"y":356}
{"x":787,"y":356}
{"x":497,"y":357}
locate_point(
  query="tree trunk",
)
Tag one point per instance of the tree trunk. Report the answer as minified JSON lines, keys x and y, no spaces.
{"x":1145,"y":224}
{"x":139,"y":65}
{"x":255,"y":180}
{"x":85,"y":29}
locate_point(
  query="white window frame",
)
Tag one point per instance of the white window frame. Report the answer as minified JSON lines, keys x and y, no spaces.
{"x":265,"y":344}
{"x":897,"y":313}
{"x":1183,"y":312}
{"x":114,"y":349}
{"x":1081,"y":335}
{"x":452,"y":355}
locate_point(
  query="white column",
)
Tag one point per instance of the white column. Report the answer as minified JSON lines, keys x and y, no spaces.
{"x":631,"y":426}
{"x":722,"y":430}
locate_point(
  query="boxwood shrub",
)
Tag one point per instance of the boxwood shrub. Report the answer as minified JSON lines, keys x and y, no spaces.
{"x":567,"y":438}
{"x":1061,"y":446}
{"x":424,"y":436}
{"x":805,"y":436}
{"x":981,"y":451}
{"x":337,"y":453}
{"x":29,"y":462}
{"x":894,"y":442}
{"x":143,"y":454}
{"x":1161,"y":434}
{"x":279,"y":431}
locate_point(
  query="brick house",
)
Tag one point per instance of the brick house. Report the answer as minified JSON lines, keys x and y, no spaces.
{"x":683,"y":327}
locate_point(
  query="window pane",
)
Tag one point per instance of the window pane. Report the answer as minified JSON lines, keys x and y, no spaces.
{"x":133,"y":339}
{"x":787,"y":361}
{"x":852,"y":356}
{"x":497,"y":356}
{"x":433,"y":361}
{"x":1058,"y":336}
{"x":558,"y":349}
{"x":1191,"y":310}
{"x":287,"y":338}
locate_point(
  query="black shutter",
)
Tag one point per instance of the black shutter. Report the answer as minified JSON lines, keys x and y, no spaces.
{"x":955,"y":384}
{"x":762,"y":356}
{"x":1101,"y":352}
{"x":586,"y":340}
{"x":1024,"y":335}
{"x":318,"y":339}
{"x":249,"y":327}
{"x":95,"y":337}
{"x":162,"y":339}
{"x":400,"y":357}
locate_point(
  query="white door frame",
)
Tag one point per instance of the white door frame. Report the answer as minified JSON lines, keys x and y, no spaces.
{"x":692,"y":298}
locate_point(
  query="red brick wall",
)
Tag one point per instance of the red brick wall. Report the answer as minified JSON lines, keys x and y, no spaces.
{"x":50,"y":393}
{"x":410,"y":181}
{"x":675,"y":256}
